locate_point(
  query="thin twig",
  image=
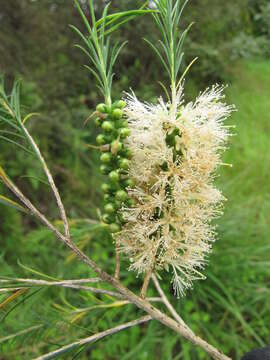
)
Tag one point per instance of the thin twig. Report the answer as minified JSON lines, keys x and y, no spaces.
{"x":145,"y":284}
{"x":117,"y":260}
{"x":50,"y":283}
{"x":22,"y":332}
{"x":94,"y":338}
{"x":112,"y":305}
{"x":166,"y":301}
{"x":33,"y":210}
{"x":50,"y":179}
{"x":95,"y":290}
{"x":10,"y":290}
{"x":70,"y":285}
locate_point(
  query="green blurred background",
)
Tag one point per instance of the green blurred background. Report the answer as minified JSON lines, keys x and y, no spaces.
{"x":231,"y":309}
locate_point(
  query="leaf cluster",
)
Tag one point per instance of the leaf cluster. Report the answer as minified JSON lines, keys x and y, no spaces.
{"x":11,"y":116}
{"x":170,"y":51}
{"x":98,"y":48}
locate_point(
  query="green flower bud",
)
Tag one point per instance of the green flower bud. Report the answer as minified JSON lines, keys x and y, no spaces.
{"x":105,"y":188}
{"x":164,"y":166}
{"x":116,"y":146}
{"x":121,"y":218}
{"x":104,"y":169}
{"x":121,"y":104}
{"x":118,"y":124}
{"x":98,"y":122}
{"x":121,"y":123}
{"x":124,"y":164}
{"x":107,"y":197}
{"x":107,"y":219}
{"x":109,"y":208}
{"x":130,"y":183}
{"x":131,"y":202}
{"x":114,"y":228}
{"x":106,"y":158}
{"x":118,"y":204}
{"x":101,"y":140}
{"x":124,"y":132}
{"x":101,"y":108}
{"x":107,"y":126}
{"x":124,"y":123}
{"x":114,"y":176}
{"x":171,"y":137}
{"x":121,"y":195}
{"x":126,"y":153}
{"x":117,"y":114}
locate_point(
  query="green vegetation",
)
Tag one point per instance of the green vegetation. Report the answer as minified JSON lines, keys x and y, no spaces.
{"x":231,"y":308}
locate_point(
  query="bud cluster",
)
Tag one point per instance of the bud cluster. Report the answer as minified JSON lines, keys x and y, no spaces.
{"x":115,"y":162}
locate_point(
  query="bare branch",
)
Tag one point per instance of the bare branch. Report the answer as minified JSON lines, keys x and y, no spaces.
{"x":166,"y":301}
{"x":95,"y":290}
{"x":33,"y":210}
{"x":72,"y":284}
{"x":6,"y":290}
{"x":117,"y":260}
{"x":145,"y":284}
{"x":95,"y":337}
{"x":23,"y":332}
{"x":50,"y":179}
{"x":111,"y":305}
{"x":50,"y":283}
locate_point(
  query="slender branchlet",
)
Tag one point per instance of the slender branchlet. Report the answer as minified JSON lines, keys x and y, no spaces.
{"x":170,"y":49}
{"x":98,"y":47}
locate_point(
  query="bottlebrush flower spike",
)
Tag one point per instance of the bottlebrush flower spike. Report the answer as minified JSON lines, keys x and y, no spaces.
{"x":176,"y":150}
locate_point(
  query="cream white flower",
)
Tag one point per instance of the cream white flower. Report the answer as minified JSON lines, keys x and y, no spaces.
{"x":176,"y":150}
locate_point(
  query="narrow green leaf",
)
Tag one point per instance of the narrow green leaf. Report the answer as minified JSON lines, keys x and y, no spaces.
{"x":10,"y":123}
{"x":25,"y":298}
{"x":117,"y":52}
{"x":80,"y":34}
{"x":165,"y":89}
{"x":27,"y":117}
{"x":131,"y":14}
{"x":16,"y":144}
{"x":158,"y":54}
{"x":12,"y":297}
{"x":83,"y":16}
{"x":11,"y":133}
{"x":27,"y":268}
{"x":8,"y":202}
{"x":95,"y":75}
{"x":104,"y":17}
